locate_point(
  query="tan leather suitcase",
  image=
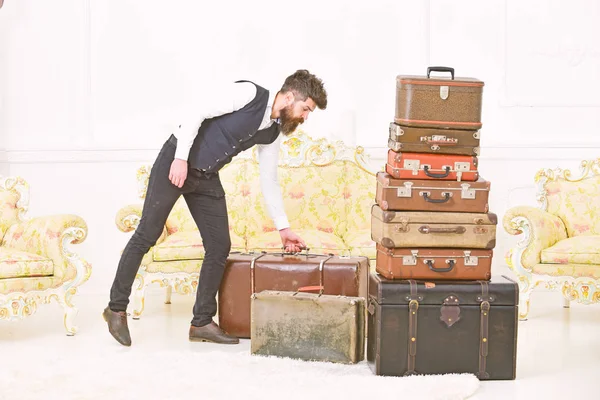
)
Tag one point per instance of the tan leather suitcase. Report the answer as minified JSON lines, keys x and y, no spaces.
{"x":410,"y":139}
{"x":431,"y":195}
{"x":430,"y":263}
{"x":448,"y":167}
{"x":412,"y":229}
{"x":436,"y":102}
{"x":308,"y":326}
{"x":246,"y":274}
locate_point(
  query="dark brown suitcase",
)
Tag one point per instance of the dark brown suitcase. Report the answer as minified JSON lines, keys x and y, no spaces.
{"x":432,"y":263}
{"x":437,"y":102}
{"x":443,"y":327}
{"x":346,"y":276}
{"x":431,"y":195}
{"x":448,"y":167}
{"x":436,"y":141}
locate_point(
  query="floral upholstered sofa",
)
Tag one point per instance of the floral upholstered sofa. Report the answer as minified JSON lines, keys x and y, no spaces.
{"x":328,"y":190}
{"x":36,"y":262}
{"x":560,"y":245}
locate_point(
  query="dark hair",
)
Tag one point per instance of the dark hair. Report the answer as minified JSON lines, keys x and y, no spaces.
{"x":304,"y":84}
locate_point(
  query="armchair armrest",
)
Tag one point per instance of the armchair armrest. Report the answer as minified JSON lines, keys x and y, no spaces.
{"x":540,"y":229}
{"x":48,"y":236}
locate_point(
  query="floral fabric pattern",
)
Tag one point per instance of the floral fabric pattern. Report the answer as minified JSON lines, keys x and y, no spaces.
{"x":187,"y":245}
{"x":8,"y":210}
{"x":317,"y":242}
{"x":20,"y":264}
{"x":577,"y":250}
{"x":577,"y":204}
{"x":574,"y":270}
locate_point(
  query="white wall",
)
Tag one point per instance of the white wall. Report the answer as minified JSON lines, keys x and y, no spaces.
{"x":90,"y":88}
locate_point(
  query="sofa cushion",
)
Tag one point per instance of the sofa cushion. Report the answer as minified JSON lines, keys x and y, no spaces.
{"x":576,"y":250}
{"x":313,"y":197}
{"x":8,"y":210}
{"x":19,"y":264}
{"x":577,"y":204}
{"x":360,"y":244}
{"x":317,"y":241}
{"x":571,"y":270}
{"x":187,"y":245}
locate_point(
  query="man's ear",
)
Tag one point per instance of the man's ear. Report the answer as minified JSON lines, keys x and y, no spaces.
{"x":289,"y":98}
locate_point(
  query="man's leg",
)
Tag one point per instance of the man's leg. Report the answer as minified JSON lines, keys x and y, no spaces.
{"x":161,"y":195}
{"x":209,"y":210}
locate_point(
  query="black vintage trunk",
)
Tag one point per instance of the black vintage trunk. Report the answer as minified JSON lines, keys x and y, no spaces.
{"x":448,"y":338}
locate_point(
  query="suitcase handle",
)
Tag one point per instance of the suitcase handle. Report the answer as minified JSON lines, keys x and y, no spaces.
{"x":432,"y":175}
{"x":440,"y":69}
{"x":447,"y":196}
{"x":442,"y":142}
{"x":451,"y":264}
{"x":426,"y":229}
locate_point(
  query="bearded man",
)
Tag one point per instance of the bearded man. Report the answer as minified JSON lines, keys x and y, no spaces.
{"x":236,"y":118}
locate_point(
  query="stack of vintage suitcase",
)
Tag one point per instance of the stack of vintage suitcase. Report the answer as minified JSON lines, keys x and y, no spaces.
{"x":433,"y":307}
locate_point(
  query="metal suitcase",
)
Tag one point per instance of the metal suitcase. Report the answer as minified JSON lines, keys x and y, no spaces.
{"x":431,"y":195}
{"x":432,"y":263}
{"x":246,"y":274}
{"x":443,"y":327}
{"x":413,"y":229}
{"x":431,"y":140}
{"x":307,"y":326}
{"x":423,"y":101}
{"x":432,"y":166}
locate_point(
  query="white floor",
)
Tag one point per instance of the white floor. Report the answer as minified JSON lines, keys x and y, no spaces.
{"x":558,"y":348}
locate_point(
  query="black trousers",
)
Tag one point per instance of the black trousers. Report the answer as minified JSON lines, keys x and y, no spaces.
{"x":205,"y":198}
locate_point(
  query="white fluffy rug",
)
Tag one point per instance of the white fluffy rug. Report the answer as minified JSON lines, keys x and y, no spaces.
{"x":206,"y":375}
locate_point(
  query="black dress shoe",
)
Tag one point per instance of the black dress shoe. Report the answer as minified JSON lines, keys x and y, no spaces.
{"x":211,"y":333}
{"x":117,"y":325}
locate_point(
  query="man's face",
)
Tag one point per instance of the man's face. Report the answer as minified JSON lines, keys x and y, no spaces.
{"x":295,"y":114}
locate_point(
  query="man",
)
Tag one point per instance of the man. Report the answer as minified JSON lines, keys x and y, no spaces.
{"x":235,"y":119}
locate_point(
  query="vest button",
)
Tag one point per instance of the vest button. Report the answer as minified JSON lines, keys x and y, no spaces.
{"x":216,"y":161}
{"x":226,"y":154}
{"x":234,"y":147}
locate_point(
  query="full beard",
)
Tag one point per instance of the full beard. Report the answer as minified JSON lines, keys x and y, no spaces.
{"x":288,"y":122}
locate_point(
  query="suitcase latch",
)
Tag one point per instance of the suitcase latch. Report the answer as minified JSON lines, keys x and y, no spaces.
{"x":450,"y":312}
{"x":405,"y":191}
{"x":443,"y":92}
{"x":410,"y":260}
{"x":467,"y":192}
{"x":470,"y":260}
{"x":395,"y":131}
{"x":476,"y":135}
{"x":412,"y":165}
{"x":462,"y":166}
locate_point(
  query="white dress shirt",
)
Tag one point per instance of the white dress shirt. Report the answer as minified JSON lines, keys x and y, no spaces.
{"x":227,"y":99}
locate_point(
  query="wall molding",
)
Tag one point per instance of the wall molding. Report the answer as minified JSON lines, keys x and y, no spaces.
{"x":104,"y":155}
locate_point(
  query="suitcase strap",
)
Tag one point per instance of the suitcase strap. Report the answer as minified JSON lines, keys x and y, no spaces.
{"x":484,"y":330}
{"x":320,"y":288}
{"x":413,"y":306}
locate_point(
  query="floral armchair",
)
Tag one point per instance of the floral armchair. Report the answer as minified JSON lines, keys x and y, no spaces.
{"x":328,"y":190}
{"x":560,"y":245}
{"x":36,"y":264}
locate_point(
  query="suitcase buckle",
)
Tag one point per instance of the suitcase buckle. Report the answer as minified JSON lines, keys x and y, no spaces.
{"x":405,"y":191}
{"x":470,"y":260}
{"x":410,"y":260}
{"x":467,"y":192}
{"x":443,"y":92}
{"x":412,"y":165}
{"x":462,"y":166}
{"x":395,"y":131}
{"x":435,"y":147}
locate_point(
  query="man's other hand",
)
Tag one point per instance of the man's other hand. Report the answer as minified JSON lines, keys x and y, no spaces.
{"x":292,"y":243}
{"x":178,"y":172}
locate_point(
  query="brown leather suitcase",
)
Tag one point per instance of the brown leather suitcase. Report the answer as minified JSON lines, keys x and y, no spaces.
{"x":246,"y":274}
{"x":436,"y":102}
{"x":308,"y":326}
{"x":413,"y":229}
{"x":450,"y":167}
{"x":412,"y":139}
{"x":431,"y":263}
{"x":443,"y":327}
{"x":431,"y":195}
